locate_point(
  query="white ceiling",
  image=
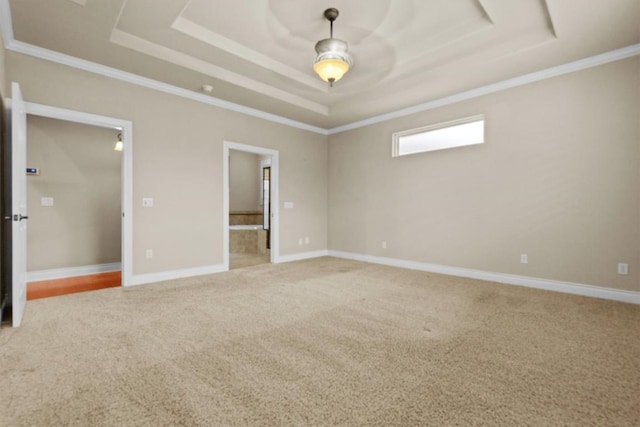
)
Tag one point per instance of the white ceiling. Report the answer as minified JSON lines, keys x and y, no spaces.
{"x":260,"y":53}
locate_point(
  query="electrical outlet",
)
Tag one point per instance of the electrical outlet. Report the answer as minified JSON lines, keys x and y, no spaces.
{"x":623,"y":268}
{"x":300,"y":241}
{"x":524,"y":259}
{"x":384,"y":245}
{"x":306,"y":240}
{"x":148,"y":253}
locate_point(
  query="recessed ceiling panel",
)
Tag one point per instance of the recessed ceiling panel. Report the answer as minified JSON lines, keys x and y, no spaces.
{"x":260,"y":53}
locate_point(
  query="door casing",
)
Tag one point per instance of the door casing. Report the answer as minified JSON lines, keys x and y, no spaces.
{"x":275,"y":211}
{"x":126,"y":128}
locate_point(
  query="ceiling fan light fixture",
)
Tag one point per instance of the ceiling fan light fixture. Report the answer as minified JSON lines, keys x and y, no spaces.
{"x":333,"y":59}
{"x":331,"y":70}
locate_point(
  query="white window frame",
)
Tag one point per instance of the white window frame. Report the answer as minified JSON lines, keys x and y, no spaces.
{"x":397,"y":136}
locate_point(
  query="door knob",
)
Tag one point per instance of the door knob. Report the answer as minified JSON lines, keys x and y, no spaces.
{"x":19,"y":217}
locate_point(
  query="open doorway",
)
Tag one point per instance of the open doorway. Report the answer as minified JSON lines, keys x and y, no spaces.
{"x":15,"y":258}
{"x":74,"y":186}
{"x":250,"y":205}
{"x":114,"y":131}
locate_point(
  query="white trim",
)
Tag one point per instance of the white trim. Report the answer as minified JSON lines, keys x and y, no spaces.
{"x":274,"y":224}
{"x":582,"y":64}
{"x":46,"y":54}
{"x":141,"y":45}
{"x":529,"y":282}
{"x":205,"y":35}
{"x":424,"y":146}
{"x":141,"y":279}
{"x":127,"y":168}
{"x":63,"y":273}
{"x":135,"y":79}
{"x":74,"y":116}
{"x":302,"y":256}
{"x":6,"y":22}
{"x":38,"y":52}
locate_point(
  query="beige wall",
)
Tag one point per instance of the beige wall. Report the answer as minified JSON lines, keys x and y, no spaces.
{"x":177,"y":160}
{"x":80,"y":170}
{"x":244,"y":182}
{"x":557,"y":178}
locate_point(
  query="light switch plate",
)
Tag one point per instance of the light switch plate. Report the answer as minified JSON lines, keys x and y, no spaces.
{"x":623,"y":268}
{"x":46,"y":201}
{"x":147,"y":202}
{"x":288,"y":205}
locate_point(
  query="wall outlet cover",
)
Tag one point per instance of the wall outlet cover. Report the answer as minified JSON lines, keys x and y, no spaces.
{"x":623,"y":268}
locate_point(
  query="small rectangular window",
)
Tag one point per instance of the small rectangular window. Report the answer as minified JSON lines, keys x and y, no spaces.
{"x":457,"y":133}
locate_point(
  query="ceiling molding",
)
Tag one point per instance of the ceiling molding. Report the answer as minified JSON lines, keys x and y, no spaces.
{"x":81,"y":64}
{"x":216,"y":40}
{"x":547,"y":11}
{"x":138,"y":44}
{"x":49,"y":55}
{"x":5,"y":21}
{"x":582,"y":64}
{"x":485,"y":12}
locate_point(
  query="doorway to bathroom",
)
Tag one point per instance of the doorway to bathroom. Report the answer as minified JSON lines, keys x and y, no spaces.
{"x":250,"y":205}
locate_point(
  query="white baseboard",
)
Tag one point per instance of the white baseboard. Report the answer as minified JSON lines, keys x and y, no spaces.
{"x":529,"y":282}
{"x":141,"y":279}
{"x":301,"y":256}
{"x":62,"y":273}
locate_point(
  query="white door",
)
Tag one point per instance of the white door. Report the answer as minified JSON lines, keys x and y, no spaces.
{"x":18,"y":203}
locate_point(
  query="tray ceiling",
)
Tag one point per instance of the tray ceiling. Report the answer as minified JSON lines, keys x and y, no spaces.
{"x":260,"y":53}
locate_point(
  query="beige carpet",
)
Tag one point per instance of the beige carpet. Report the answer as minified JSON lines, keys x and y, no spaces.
{"x":322,"y":342}
{"x":241,"y":260}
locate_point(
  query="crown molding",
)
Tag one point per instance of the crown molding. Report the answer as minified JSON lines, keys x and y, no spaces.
{"x":189,"y":62}
{"x":5,"y":22}
{"x":218,"y":41}
{"x":81,"y":64}
{"x":49,"y":55}
{"x":10,"y":43}
{"x":582,"y":64}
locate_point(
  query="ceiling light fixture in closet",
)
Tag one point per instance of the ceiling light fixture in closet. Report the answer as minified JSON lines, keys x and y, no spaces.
{"x":119,"y":146}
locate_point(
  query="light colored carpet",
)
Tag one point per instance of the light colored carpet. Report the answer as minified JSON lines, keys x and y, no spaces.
{"x":322,"y":342}
{"x":241,"y":260}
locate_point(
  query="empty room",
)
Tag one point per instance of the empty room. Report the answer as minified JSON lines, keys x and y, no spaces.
{"x":268,"y":212}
